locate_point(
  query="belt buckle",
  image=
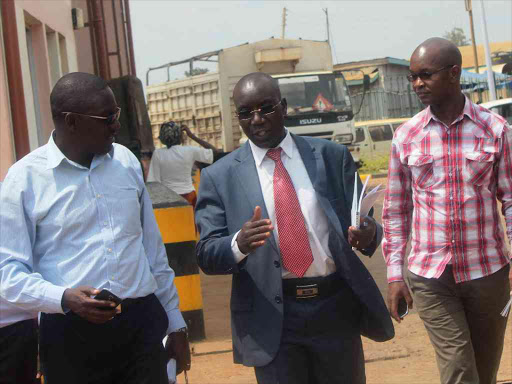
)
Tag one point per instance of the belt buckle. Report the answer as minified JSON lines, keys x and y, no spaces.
{"x":306,"y":291}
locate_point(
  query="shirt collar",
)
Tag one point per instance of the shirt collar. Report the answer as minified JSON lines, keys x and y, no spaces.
{"x":468,"y":110}
{"x":55,"y":156}
{"x":260,"y":153}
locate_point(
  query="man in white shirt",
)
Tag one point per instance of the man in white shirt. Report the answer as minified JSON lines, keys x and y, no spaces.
{"x":172,"y":166}
{"x":76,"y":218}
{"x":275,"y":214}
{"x":18,"y":344}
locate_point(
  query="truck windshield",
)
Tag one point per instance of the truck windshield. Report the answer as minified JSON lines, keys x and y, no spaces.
{"x":317,"y":93}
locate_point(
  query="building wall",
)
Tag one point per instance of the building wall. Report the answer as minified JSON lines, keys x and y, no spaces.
{"x":113,"y":14}
{"x":394,"y":77}
{"x":7,"y":157}
{"x":47,"y":51}
{"x":49,"y":47}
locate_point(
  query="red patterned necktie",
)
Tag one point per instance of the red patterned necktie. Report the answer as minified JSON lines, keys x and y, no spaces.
{"x":291,"y":226}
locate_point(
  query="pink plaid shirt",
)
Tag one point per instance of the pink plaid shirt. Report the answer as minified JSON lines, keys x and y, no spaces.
{"x":443,"y":187}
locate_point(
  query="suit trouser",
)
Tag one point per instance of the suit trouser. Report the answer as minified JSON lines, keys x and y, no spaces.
{"x":18,"y":353}
{"x":126,"y":349}
{"x":321,"y":343}
{"x":464,"y":323}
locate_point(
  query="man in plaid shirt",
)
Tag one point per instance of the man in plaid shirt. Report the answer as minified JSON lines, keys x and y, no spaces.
{"x":449,"y":165}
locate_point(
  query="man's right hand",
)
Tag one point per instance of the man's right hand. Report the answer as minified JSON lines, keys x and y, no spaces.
{"x":80,"y":302}
{"x":396,"y":291}
{"x":254,"y":233}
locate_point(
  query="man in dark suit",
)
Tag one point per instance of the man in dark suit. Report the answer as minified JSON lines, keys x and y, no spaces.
{"x":275,"y":214}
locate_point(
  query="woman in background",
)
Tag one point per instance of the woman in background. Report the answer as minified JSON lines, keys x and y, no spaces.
{"x":172,"y":166}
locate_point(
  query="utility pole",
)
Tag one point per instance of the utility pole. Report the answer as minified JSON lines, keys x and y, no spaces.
{"x":326,"y":11}
{"x":284,"y":22}
{"x":490,"y":73}
{"x":469,"y":8}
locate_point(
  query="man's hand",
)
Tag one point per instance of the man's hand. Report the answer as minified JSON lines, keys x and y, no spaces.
{"x":396,"y":291}
{"x":254,"y":233}
{"x":363,"y":236}
{"x":177,"y":348}
{"x":186,"y":129}
{"x":80,"y":302}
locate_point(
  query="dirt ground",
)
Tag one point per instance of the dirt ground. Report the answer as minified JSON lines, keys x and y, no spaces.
{"x":408,"y":358}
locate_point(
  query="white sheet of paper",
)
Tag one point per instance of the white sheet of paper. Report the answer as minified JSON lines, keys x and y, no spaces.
{"x":369,"y":200}
{"x":171,"y":367}
{"x":354,"y":210}
{"x":506,"y":310}
{"x":357,"y":200}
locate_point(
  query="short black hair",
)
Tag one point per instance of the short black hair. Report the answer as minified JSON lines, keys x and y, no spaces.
{"x":75,"y":92}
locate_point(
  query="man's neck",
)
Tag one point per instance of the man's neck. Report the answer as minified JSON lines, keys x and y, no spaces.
{"x":450,"y":110}
{"x":70,"y":153}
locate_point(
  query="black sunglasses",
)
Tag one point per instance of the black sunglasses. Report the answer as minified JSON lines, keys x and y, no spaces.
{"x":108,"y":119}
{"x":264,"y":110}
{"x":412,"y":77}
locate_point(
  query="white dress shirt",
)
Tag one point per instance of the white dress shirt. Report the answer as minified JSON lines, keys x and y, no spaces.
{"x":314,"y":216}
{"x":9,"y":313}
{"x":173,"y":166}
{"x":65,"y":225}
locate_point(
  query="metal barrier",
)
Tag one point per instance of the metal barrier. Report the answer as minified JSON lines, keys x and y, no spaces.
{"x":175,"y":219}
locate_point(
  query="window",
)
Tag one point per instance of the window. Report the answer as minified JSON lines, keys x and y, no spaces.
{"x":359,"y":135}
{"x":504,"y":110}
{"x":381,"y":133}
{"x":395,"y":126}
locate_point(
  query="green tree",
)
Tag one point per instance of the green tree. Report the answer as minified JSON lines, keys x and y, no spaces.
{"x":457,"y":37}
{"x":196,"y":71}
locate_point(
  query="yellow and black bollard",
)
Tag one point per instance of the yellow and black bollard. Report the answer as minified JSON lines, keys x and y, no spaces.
{"x":175,"y":219}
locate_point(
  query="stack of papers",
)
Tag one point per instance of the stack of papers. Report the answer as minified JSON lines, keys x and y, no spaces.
{"x":362,"y":204}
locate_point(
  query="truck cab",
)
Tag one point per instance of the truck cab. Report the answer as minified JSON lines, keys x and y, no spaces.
{"x":318,"y":105}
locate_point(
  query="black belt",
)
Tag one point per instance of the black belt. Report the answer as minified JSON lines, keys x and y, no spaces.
{"x":310,"y":287}
{"x":127,"y":303}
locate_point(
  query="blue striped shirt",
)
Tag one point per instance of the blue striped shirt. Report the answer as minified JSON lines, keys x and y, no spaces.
{"x":9,"y":313}
{"x":64,"y":225}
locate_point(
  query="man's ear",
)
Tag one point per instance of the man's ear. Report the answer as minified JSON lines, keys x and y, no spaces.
{"x":71,"y":121}
{"x":284,"y":104}
{"x":455,"y":73}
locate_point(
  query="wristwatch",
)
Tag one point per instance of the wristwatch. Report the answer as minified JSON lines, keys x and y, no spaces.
{"x":183,"y":330}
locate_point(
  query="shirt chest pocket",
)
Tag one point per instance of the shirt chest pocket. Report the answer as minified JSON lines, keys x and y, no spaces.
{"x":479,"y":167}
{"x":124,"y":210}
{"x":422,"y":170}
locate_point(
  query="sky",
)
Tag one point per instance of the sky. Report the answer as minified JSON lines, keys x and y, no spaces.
{"x":172,"y":30}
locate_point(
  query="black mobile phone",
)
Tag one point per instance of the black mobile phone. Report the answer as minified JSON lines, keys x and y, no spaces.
{"x":108,"y":296}
{"x":403,"y":308}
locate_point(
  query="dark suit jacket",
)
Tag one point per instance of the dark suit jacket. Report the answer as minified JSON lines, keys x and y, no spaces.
{"x":228,"y":192}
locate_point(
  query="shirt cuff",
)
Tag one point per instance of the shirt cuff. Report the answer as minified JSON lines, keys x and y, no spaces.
{"x":395,"y":273}
{"x":239,"y":256}
{"x":176,"y":320}
{"x":53,"y":298}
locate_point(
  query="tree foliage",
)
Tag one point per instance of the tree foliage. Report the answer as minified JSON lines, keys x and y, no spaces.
{"x":457,"y":37}
{"x":196,"y":71}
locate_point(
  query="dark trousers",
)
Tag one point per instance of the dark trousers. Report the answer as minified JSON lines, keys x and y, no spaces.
{"x":18,"y":353}
{"x":464,"y":323}
{"x":321,"y":343}
{"x":127,"y":349}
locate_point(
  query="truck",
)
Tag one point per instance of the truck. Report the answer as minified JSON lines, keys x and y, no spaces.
{"x":319,"y":103}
